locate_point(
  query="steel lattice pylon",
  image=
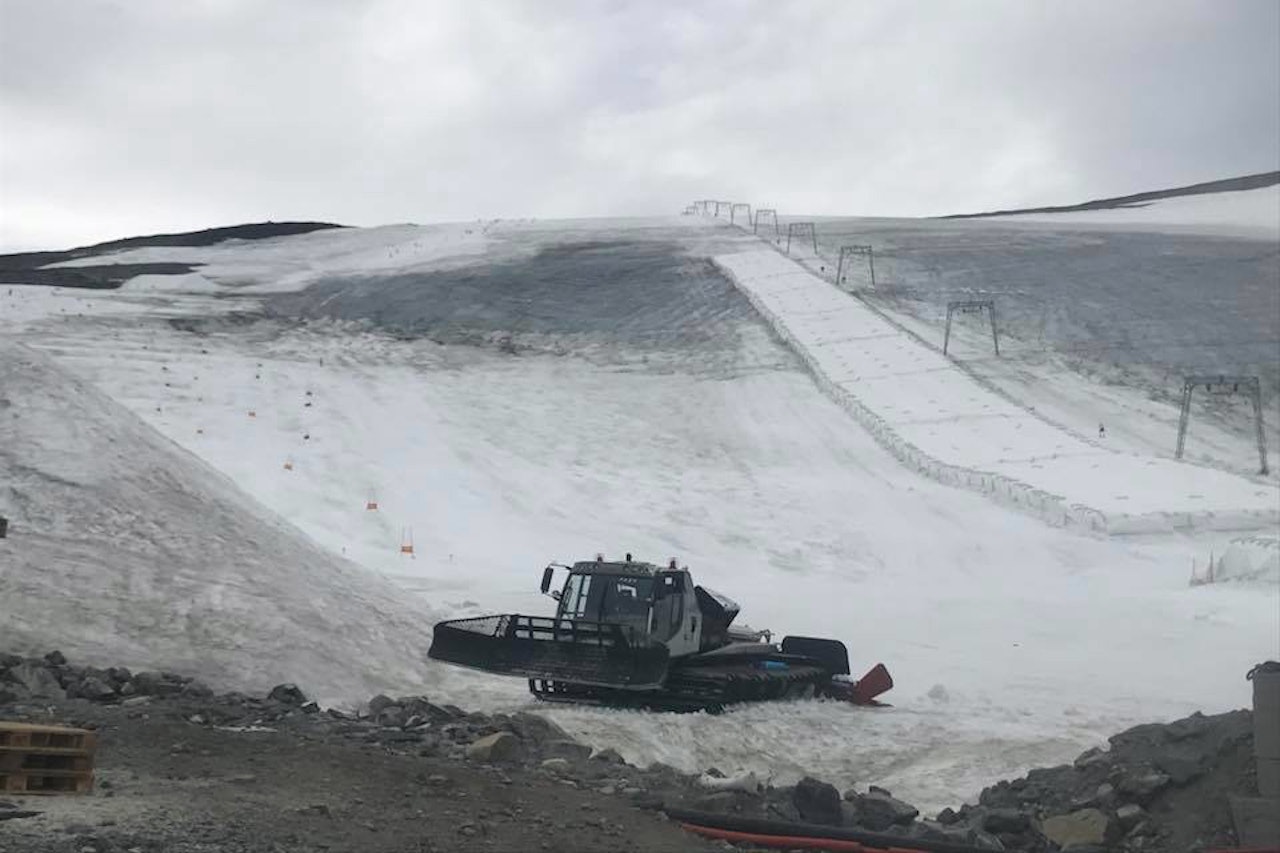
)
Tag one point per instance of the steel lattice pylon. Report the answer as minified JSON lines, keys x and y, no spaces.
{"x":849,"y":251}
{"x":1250,"y":386}
{"x":972,"y":306}
{"x":769,"y":212}
{"x":802,"y":228}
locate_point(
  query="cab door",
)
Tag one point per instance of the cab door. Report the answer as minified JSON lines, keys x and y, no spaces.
{"x":676,"y":614}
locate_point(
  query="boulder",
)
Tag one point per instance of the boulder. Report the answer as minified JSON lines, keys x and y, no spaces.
{"x":1141,"y":785}
{"x":1087,"y":826}
{"x":1092,"y":758}
{"x":929,"y":830}
{"x":1006,"y":820}
{"x":1180,"y":769}
{"x":535,"y":728}
{"x":817,"y":802}
{"x":609,"y":756}
{"x":558,"y":765}
{"x":155,"y":684}
{"x":1188,"y":727}
{"x":499,"y":746}
{"x":392,"y":716}
{"x":197,"y":689}
{"x":564,"y":748}
{"x":746,"y":782}
{"x":93,"y":688}
{"x":287,"y":694}
{"x":1104,"y":797}
{"x":1129,"y":816}
{"x":56,"y":658}
{"x":985,"y":840}
{"x":38,"y":680}
{"x":415,"y":706}
{"x":438,"y":713}
{"x":878,"y":810}
{"x":377,"y":703}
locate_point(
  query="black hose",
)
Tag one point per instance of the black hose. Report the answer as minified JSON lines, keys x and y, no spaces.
{"x":761,"y":826}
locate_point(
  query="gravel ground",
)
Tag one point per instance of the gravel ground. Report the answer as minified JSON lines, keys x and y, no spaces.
{"x":167,"y":784}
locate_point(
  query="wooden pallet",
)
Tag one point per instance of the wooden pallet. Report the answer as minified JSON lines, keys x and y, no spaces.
{"x":46,"y":759}
{"x":47,"y":782}
{"x":18,"y":761}
{"x":27,"y":736}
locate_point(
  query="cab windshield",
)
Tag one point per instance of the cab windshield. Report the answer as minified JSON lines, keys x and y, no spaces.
{"x":619,"y":599}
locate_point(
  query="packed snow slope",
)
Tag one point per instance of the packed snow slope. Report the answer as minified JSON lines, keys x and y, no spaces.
{"x":1101,"y":314}
{"x":513,"y":393}
{"x":123,"y":545}
{"x":942,"y":422}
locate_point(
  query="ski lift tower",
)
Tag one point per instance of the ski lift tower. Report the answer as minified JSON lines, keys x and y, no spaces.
{"x":972,"y":306}
{"x":770,"y":213}
{"x":1225,"y":386}
{"x":802,"y":229}
{"x":851,"y":251}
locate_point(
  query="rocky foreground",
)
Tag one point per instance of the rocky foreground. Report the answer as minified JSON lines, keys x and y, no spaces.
{"x":183,"y":769}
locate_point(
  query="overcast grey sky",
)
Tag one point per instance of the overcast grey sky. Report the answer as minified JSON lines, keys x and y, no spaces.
{"x":137,"y":116}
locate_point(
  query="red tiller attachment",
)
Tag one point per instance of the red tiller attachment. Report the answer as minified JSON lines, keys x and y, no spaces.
{"x":876,"y":681}
{"x":865,"y":690}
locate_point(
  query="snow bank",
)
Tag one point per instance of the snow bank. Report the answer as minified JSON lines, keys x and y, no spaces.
{"x":1249,"y":559}
{"x":1246,"y":213}
{"x":292,"y":262}
{"x":123,"y":548}
{"x":941,"y":422}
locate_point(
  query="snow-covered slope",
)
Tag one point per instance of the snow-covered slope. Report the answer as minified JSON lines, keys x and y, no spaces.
{"x":125,"y":548}
{"x":1249,"y":213}
{"x":667,"y":421}
{"x":937,"y":419}
{"x":1099,"y":323}
{"x":287,"y":263}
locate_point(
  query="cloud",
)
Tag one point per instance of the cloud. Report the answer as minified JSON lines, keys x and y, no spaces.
{"x":127,"y":117}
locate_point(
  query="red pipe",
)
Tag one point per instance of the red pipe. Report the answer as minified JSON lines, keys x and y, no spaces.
{"x":792,"y":842}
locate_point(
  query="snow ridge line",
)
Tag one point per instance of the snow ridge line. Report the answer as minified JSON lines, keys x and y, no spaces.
{"x":1005,"y":490}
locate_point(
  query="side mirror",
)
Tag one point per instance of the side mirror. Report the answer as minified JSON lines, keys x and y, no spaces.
{"x":547,"y":573}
